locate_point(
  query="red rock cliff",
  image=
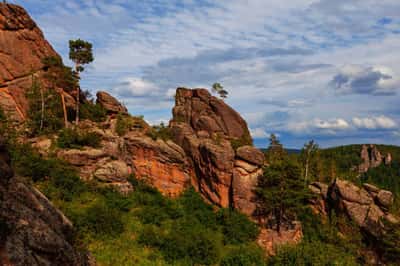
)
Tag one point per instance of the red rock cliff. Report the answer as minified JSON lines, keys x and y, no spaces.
{"x":22,"y":48}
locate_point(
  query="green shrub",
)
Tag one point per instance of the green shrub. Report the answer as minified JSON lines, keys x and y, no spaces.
{"x":125,"y":123}
{"x":151,"y":236}
{"x":101,"y":220}
{"x":92,"y":112}
{"x":116,"y":200}
{"x":160,"y":132}
{"x":244,"y":140}
{"x":191,"y":243}
{"x":312,"y":253}
{"x":250,"y":255}
{"x":195,"y":207}
{"x":236,"y":227}
{"x":71,"y":138}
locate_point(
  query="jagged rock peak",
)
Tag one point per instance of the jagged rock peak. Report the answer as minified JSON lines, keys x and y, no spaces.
{"x":207,"y":114}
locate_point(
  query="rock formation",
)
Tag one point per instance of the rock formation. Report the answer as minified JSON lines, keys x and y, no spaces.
{"x":209,"y":131}
{"x":110,"y":104}
{"x":367,"y":207}
{"x":372,"y":158}
{"x":22,"y":49}
{"x":33,"y":231}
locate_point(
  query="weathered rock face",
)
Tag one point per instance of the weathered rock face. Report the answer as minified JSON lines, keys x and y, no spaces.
{"x":366,"y":206}
{"x":33,"y":231}
{"x":204,"y":127}
{"x":372,"y":158}
{"x":161,"y":163}
{"x":110,"y":104}
{"x":22,"y":48}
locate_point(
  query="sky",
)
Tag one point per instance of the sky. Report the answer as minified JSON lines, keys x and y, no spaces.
{"x":301,"y":69}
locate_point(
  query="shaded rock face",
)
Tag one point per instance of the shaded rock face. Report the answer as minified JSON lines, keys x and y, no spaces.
{"x":22,"y":48}
{"x":204,"y":127}
{"x":372,"y":158}
{"x":366,"y":206}
{"x":110,"y":104}
{"x":33,"y":231}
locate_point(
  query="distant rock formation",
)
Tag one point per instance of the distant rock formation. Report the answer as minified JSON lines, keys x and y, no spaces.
{"x":209,"y":131}
{"x":22,"y":49}
{"x":372,"y":158}
{"x":366,"y":206}
{"x":32,"y":231}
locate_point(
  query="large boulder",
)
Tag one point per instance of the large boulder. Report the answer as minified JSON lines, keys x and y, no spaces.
{"x":33,"y":231}
{"x":22,"y":49}
{"x":109,"y":103}
{"x":217,"y":141}
{"x":371,"y":158}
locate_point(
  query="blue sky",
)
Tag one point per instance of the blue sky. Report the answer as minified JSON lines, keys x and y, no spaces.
{"x":303,"y":69}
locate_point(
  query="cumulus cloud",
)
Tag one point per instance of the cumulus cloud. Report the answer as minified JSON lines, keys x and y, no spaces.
{"x":355,"y":79}
{"x":378,"y":122}
{"x":329,"y":126}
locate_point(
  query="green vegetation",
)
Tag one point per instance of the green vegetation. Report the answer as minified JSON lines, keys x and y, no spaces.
{"x":127,"y":123}
{"x":80,"y":52}
{"x":160,"y":132}
{"x":93,"y":112}
{"x":70,"y":138}
{"x":218,"y":88}
{"x":244,"y":140}
{"x":45,"y":109}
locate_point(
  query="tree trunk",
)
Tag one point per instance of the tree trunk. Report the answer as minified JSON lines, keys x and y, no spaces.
{"x":42,"y":109}
{"x":64,"y":109}
{"x":78,"y":92}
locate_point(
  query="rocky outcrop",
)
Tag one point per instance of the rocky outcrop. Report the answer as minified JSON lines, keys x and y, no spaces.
{"x":33,"y":231}
{"x":367,"y":207}
{"x":161,"y":163}
{"x":110,"y":104}
{"x":371,"y":158}
{"x":22,"y":49}
{"x":209,"y":131}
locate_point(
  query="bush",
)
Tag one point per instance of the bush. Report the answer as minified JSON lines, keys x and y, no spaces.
{"x":160,"y":132}
{"x":236,"y":227}
{"x":93,"y":112}
{"x":312,"y":253}
{"x":244,"y":140}
{"x":250,"y":255}
{"x":190,"y":243}
{"x":71,"y":138}
{"x":101,"y":220}
{"x":151,"y":236}
{"x":126,"y":123}
{"x":195,"y":207}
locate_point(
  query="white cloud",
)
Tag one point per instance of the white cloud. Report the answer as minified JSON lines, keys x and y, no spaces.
{"x":378,"y":122}
{"x":259,"y":133}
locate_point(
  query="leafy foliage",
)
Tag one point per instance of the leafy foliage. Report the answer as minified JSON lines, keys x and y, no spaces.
{"x":93,"y":112}
{"x":160,"y":132}
{"x":70,"y":138}
{"x":250,"y":255}
{"x":126,"y":123}
{"x":45,"y":109}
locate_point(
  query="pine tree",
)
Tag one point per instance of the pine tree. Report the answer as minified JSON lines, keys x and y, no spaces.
{"x":80,"y":52}
{"x":280,"y":192}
